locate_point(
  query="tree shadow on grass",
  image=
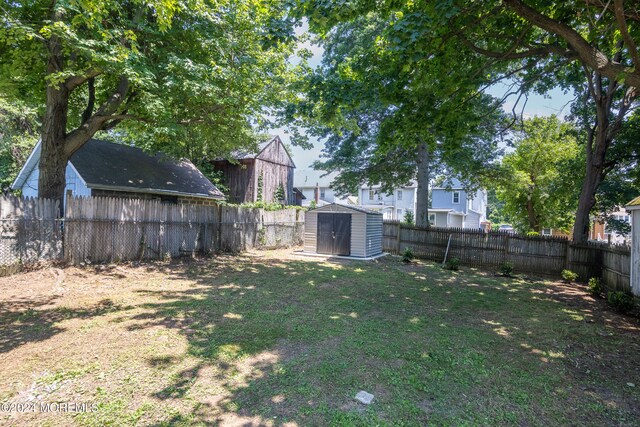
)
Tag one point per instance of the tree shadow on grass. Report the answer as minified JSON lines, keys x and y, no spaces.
{"x":292,"y":341}
{"x":23,"y":321}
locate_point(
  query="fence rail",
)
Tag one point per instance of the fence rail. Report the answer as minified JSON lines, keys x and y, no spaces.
{"x":528,"y":254}
{"x":106,"y":229}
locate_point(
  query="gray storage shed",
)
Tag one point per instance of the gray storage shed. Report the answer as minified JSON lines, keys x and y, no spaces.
{"x":346,"y":230}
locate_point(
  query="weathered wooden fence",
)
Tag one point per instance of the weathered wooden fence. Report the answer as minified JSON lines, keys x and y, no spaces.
{"x":104,"y":229}
{"x":30,"y":231}
{"x":539,"y":254}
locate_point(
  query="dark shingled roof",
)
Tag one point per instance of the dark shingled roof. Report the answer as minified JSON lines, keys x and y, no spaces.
{"x":106,"y":165}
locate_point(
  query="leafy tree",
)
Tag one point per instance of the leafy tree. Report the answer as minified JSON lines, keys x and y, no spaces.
{"x":537,"y":185}
{"x":18,"y":133}
{"x":192,"y":77}
{"x":388,"y":121}
{"x":279,"y":196}
{"x":408,"y":217}
{"x":590,"y":47}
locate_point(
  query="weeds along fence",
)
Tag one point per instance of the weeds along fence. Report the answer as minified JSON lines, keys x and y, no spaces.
{"x":107,"y":229}
{"x":535,"y":254}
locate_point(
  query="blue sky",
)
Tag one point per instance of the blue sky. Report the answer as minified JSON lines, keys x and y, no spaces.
{"x":555,"y":102}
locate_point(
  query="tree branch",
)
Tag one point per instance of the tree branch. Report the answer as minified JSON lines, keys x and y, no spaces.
{"x":624,"y":30}
{"x":86,"y":114}
{"x":586,"y":53}
{"x":73,"y":82}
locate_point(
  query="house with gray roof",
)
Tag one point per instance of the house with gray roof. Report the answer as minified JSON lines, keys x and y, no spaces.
{"x":102,"y":168}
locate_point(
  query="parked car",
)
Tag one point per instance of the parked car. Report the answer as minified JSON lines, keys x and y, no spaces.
{"x":506,"y":228}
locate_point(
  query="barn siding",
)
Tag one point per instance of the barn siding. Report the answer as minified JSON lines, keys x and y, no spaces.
{"x":272,"y":176}
{"x":374,"y":235}
{"x":239,"y":178}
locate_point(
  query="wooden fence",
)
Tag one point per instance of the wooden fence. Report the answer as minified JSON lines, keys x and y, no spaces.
{"x":539,"y":254}
{"x":106,"y":229}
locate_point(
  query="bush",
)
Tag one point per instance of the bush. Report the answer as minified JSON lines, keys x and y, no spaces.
{"x":595,"y":286}
{"x":569,"y":276}
{"x":407,"y":255}
{"x":453,"y":264}
{"x":408,"y":218}
{"x":533,"y":234}
{"x":507,"y":269}
{"x":620,"y":301}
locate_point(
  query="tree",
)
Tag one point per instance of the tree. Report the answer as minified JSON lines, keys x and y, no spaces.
{"x":190,"y":76}
{"x":537,"y":185}
{"x":589,"y":46}
{"x":18,"y":132}
{"x":388,"y":121}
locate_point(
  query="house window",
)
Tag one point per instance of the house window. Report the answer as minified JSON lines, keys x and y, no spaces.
{"x":456,"y":197}
{"x":371,"y":194}
{"x":322,"y":193}
{"x":432,"y":219}
{"x":399,"y":213}
{"x":399,"y":195}
{"x":547,"y":232}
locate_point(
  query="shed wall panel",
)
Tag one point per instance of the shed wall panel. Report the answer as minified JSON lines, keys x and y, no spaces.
{"x":310,"y":231}
{"x":374,"y":235}
{"x":358,"y":234}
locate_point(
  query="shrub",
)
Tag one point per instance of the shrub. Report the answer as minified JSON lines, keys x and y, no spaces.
{"x":569,"y":276}
{"x":620,"y":301}
{"x":453,"y":264}
{"x":507,"y":269}
{"x":532,"y":234}
{"x":407,"y":255}
{"x":595,"y":286}
{"x":408,"y":217}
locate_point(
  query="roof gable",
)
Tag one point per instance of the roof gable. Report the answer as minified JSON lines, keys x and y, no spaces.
{"x":275,"y":152}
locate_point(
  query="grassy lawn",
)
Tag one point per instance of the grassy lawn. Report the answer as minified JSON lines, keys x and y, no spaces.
{"x":270,"y":339}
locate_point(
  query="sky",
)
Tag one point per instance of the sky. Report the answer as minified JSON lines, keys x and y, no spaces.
{"x":555,"y":102}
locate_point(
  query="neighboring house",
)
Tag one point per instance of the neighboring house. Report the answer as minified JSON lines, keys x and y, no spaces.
{"x":452,"y":206}
{"x":298,"y":196}
{"x":600,"y":231}
{"x":316,"y":186}
{"x":101,"y":168}
{"x":394,"y":205}
{"x":271,"y":163}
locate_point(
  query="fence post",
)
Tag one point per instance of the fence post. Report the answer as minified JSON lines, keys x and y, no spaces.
{"x":398,"y":238}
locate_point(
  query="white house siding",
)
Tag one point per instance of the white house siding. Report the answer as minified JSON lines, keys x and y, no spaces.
{"x":396,"y":207}
{"x":374,"y":235}
{"x":441,"y":219}
{"x":74,"y":183}
{"x":455,"y":221}
{"x":472,"y":220}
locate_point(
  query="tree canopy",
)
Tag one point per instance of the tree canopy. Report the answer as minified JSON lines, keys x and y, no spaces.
{"x":194,"y":78}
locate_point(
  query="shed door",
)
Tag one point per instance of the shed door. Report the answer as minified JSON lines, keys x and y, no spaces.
{"x":334,"y":234}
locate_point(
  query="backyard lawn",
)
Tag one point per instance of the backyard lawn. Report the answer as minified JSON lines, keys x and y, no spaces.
{"x":271,"y":339}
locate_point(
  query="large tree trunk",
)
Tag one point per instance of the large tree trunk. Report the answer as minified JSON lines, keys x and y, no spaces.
{"x":422,"y":198}
{"x":531,"y":215}
{"x":53,"y":159}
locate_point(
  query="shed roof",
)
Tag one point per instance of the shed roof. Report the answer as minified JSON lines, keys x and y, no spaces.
{"x":634,"y":204}
{"x":108,"y":166}
{"x":354,"y":208}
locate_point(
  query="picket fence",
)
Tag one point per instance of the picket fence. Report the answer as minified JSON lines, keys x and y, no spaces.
{"x":107,"y":229}
{"x":528,"y":254}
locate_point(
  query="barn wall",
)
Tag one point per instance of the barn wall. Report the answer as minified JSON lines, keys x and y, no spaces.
{"x":272,"y":176}
{"x":239,"y":178}
{"x":374,"y":235}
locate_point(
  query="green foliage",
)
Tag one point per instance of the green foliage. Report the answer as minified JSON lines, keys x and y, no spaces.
{"x":279,"y":196}
{"x":537,"y":184}
{"x":621,"y":301}
{"x":260,"y":190}
{"x":569,"y":276}
{"x":594,"y":287}
{"x":532,"y":234}
{"x":408,"y":218}
{"x":18,"y":135}
{"x":407,"y":255}
{"x":203,"y":77}
{"x":269,"y":206}
{"x":452,"y":264}
{"x":506,"y":269}
{"x":312,"y":204}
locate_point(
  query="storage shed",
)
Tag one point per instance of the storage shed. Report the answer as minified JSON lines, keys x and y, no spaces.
{"x":634,"y":209}
{"x":345,"y":230}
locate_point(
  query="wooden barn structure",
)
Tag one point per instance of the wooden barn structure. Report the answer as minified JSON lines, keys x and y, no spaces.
{"x":271,"y":165}
{"x":343,"y":230}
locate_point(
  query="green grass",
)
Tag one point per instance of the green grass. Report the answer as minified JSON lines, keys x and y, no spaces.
{"x":292,"y":341}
